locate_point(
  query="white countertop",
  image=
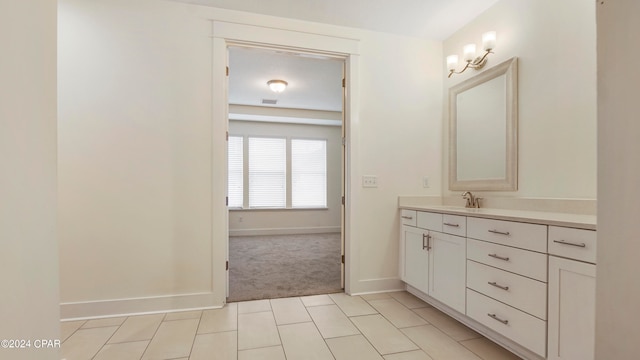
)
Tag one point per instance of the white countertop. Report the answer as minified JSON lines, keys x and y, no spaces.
{"x":578,"y":221}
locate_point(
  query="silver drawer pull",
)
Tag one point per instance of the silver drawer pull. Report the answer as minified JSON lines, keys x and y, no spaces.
{"x":498,"y":257}
{"x":493,"y":283}
{"x":494,"y":231}
{"x":450,"y":224}
{"x":495,"y":317}
{"x":407,"y":217}
{"x":426,"y":242}
{"x":570,"y":243}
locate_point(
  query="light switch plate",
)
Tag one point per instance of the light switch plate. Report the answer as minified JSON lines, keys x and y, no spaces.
{"x":369,"y":181}
{"x":425,"y":182}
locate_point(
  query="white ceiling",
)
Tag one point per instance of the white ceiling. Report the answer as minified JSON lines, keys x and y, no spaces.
{"x":429,"y":19}
{"x":315,"y":83}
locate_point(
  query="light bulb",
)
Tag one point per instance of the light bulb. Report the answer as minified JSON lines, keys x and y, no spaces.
{"x":452,"y":62}
{"x":489,"y":40}
{"x":469,"y":52}
{"x":277,"y":86}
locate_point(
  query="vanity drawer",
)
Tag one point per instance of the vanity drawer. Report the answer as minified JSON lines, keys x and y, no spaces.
{"x":454,"y":224}
{"x":523,"y":262}
{"x":521,"y":235}
{"x":514,"y":324}
{"x":430,"y":221}
{"x":575,"y":244}
{"x":518,"y":291}
{"x":408,"y":217}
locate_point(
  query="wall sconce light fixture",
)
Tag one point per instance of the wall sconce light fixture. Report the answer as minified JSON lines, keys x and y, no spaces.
{"x":277,"y":86}
{"x":469,"y":51}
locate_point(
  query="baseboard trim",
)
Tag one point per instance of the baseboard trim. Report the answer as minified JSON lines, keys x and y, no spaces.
{"x":371,"y":286}
{"x":284,"y":231}
{"x":137,"y":306}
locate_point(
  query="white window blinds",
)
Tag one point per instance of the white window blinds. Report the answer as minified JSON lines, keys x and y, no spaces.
{"x":267,"y":172}
{"x":236,"y":172}
{"x":308,"y":173}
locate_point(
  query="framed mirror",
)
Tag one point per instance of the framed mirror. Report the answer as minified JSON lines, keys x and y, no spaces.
{"x":483,"y":130}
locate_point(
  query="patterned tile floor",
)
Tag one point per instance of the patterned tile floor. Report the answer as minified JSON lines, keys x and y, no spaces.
{"x":390,"y":326}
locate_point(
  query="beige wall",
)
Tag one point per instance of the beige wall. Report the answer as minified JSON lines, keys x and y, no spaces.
{"x":618,"y":288}
{"x":135,"y":151}
{"x":259,"y":222}
{"x":29,"y":254}
{"x":555,"y":45}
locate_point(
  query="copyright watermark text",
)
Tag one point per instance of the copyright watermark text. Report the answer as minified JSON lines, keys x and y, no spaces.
{"x":29,"y":343}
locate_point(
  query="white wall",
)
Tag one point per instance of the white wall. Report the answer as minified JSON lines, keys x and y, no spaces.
{"x":135,"y":159}
{"x":291,"y":221}
{"x":555,"y":45}
{"x":618,"y":288}
{"x":29,"y":249}
{"x":135,"y":166}
{"x":399,"y":135}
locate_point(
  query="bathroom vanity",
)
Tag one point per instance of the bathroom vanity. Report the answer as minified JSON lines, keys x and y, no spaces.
{"x":525,"y":279}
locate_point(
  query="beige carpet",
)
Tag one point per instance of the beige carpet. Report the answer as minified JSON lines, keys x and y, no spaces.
{"x":274,"y":266}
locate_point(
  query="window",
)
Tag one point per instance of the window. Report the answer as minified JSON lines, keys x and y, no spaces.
{"x":235,"y":183}
{"x":308,"y":173}
{"x":266,"y":172}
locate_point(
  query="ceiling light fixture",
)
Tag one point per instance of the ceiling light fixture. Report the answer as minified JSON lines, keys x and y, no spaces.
{"x":277,"y":86}
{"x":488,"y":43}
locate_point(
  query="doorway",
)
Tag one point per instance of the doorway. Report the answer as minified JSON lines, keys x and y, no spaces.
{"x":286,"y":174}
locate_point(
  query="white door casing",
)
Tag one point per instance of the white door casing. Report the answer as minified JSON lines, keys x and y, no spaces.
{"x":226,"y":34}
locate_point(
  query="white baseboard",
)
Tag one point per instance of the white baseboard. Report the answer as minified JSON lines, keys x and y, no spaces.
{"x":371,"y":286}
{"x":137,"y":306}
{"x":284,"y":231}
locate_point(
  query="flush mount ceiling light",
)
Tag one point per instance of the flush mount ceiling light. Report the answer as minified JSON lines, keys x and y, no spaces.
{"x":488,"y":43}
{"x":277,"y":86}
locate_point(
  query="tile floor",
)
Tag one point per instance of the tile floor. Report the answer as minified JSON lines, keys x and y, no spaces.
{"x":389,"y":326}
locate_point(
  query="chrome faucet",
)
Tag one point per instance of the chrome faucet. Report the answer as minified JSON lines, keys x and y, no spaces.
{"x":472,"y":201}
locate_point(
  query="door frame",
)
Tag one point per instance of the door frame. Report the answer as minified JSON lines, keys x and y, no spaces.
{"x":227,"y":34}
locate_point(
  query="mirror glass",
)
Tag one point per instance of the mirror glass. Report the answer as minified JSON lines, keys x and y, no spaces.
{"x":483,"y":130}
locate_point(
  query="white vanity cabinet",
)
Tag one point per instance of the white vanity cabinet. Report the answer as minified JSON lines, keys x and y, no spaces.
{"x":415,"y":267}
{"x":414,"y":259}
{"x":524,"y":279}
{"x":572,"y":287}
{"x":447,"y":274}
{"x":433,"y":261}
{"x":507,"y":279}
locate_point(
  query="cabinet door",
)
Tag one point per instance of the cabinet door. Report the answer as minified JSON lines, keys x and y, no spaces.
{"x":447,"y":269}
{"x":572,"y":292}
{"x":416,"y":258}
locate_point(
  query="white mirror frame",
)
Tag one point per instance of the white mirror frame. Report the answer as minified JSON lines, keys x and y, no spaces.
{"x":508,"y":68}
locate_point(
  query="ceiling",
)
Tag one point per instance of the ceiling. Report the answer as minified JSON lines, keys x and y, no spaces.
{"x":429,"y":19}
{"x":315,"y":82}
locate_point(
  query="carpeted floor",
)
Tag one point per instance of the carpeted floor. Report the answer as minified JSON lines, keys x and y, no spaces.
{"x":274,"y":266}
